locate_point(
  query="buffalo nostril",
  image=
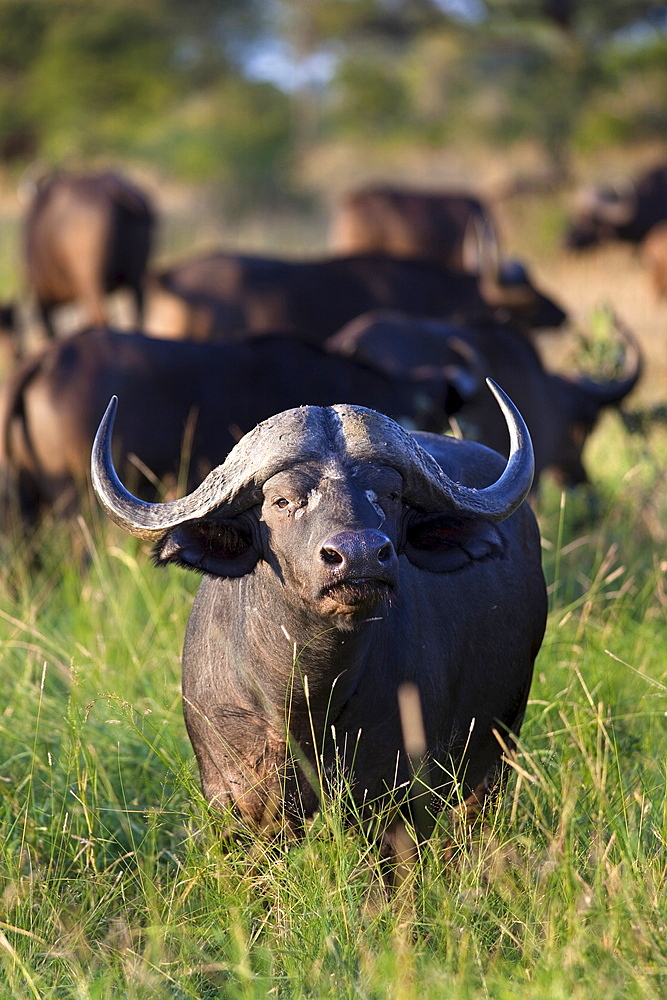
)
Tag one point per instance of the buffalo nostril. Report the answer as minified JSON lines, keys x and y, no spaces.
{"x":384,"y":554}
{"x":331,"y":556}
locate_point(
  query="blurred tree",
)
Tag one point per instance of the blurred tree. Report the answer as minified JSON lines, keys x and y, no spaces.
{"x":84,"y":78}
{"x":503,"y":69}
{"x":172,"y":81}
{"x":557,"y":61}
{"x":584,"y":17}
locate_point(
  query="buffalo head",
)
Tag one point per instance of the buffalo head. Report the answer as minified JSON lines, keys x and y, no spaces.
{"x":361,"y":479}
{"x":507,"y":287}
{"x":599,"y":214}
{"x":580,"y":401}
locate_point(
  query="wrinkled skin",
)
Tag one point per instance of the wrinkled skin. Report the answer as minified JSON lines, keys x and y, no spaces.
{"x":370,"y":592}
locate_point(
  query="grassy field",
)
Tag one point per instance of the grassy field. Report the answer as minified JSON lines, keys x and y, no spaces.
{"x":113,"y":877}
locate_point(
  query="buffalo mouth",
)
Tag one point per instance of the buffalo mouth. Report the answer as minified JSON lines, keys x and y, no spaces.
{"x":357,"y":593}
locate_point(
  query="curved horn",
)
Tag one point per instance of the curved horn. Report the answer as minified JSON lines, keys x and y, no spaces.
{"x":467,"y":376}
{"x":311,"y":433}
{"x":479,"y":246}
{"x":237,"y":484}
{"x":433,"y":489}
{"x":493,"y":284}
{"x":614,"y":390}
{"x":145,"y":520}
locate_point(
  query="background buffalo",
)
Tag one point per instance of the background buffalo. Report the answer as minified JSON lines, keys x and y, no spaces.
{"x":220,"y":295}
{"x":86,"y":235}
{"x":626,"y":211}
{"x":207,"y":395}
{"x":560,"y":410}
{"x":447,"y":226}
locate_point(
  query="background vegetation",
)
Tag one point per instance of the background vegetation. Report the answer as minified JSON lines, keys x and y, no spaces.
{"x":239,"y":95}
{"x":114,"y":880}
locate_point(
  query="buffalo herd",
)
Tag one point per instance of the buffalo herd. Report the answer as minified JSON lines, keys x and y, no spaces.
{"x":351,"y":549}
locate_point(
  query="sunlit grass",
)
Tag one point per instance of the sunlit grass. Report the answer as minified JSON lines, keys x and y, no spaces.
{"x":116,"y":880}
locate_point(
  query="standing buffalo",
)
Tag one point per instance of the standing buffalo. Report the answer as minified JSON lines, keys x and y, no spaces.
{"x":560,"y":411}
{"x":344,"y":557}
{"x":86,"y":235}
{"x":219,"y":294}
{"x":208,"y":395}
{"x":625,"y":212}
{"x":444,"y":226}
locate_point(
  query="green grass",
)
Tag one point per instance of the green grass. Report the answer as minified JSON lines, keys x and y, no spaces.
{"x":115,"y":882}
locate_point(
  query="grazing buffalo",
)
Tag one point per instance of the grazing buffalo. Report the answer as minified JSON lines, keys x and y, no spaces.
{"x":219,"y":294}
{"x":560,"y":411}
{"x":86,"y":235}
{"x":625,"y":212}
{"x":208,"y":395}
{"x":342,"y":558}
{"x":443,"y":226}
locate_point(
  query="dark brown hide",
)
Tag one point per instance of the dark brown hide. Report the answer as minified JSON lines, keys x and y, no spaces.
{"x":653,"y":250}
{"x":560,"y":411}
{"x":438,"y":226}
{"x":87,"y":235}
{"x":223,"y":295}
{"x":623,"y":212}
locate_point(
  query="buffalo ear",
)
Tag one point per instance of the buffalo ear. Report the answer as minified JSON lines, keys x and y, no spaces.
{"x":443,"y":543}
{"x":221,"y":548}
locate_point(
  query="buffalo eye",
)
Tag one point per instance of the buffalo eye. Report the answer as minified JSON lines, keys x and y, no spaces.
{"x":281,"y":502}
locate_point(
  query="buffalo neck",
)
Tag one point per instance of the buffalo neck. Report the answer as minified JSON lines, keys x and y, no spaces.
{"x":295,"y":657}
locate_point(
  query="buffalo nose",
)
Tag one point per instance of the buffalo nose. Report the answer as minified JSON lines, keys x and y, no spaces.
{"x":358,"y":552}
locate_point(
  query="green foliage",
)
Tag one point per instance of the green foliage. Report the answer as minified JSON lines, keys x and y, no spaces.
{"x":549,"y":72}
{"x":86,"y":79}
{"x":371,"y":98}
{"x":238,"y":135}
{"x":81,"y":79}
{"x":122,"y":79}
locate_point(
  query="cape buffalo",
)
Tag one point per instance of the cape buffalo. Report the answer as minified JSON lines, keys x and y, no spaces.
{"x":560,"y":411}
{"x":208,"y":394}
{"x":440,"y":226}
{"x":218,"y":295}
{"x":86,"y":235}
{"x":343,"y":557}
{"x":623,"y":212}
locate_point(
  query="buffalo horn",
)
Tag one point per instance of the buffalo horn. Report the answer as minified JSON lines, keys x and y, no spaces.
{"x":497,"y":293}
{"x":467,"y":377}
{"x":311,"y":434}
{"x":428,"y":487}
{"x":479,"y":244}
